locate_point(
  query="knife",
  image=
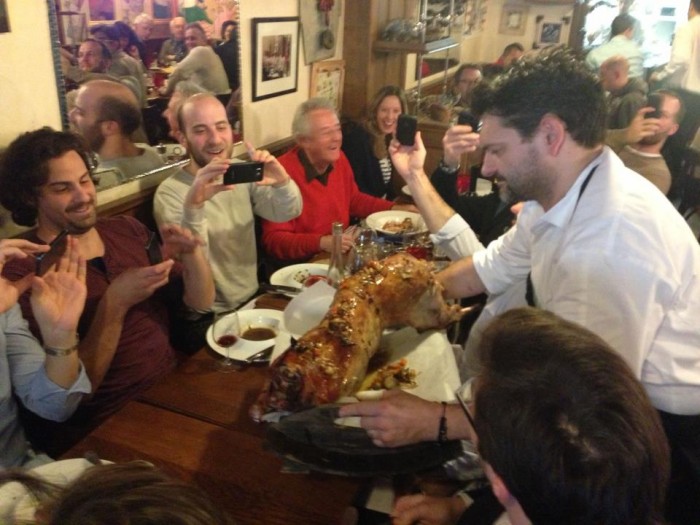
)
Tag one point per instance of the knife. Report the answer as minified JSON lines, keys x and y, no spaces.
{"x":279,"y":288}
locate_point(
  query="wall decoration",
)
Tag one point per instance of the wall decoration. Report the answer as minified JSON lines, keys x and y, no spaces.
{"x":4,"y":17}
{"x":73,"y":28}
{"x":327,"y":81}
{"x":550,"y":34}
{"x":320,"y":22}
{"x":475,"y":16}
{"x":162,"y":9}
{"x":102,"y":10}
{"x":275,"y":56}
{"x":513,"y":20}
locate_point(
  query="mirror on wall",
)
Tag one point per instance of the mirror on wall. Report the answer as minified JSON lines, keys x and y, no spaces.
{"x":72,"y":20}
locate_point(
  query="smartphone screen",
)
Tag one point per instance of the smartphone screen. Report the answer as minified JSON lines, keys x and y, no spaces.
{"x":153,"y":250}
{"x":406,"y":129}
{"x":240,"y":172}
{"x":57,"y":247}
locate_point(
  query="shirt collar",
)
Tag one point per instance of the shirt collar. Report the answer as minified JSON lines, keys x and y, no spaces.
{"x":310,"y":171}
{"x":561,"y":213}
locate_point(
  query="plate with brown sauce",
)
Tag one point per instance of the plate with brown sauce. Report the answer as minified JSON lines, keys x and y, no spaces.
{"x":260,"y":329}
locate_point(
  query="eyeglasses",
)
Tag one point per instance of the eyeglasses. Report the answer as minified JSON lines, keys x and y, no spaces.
{"x":464,"y":395}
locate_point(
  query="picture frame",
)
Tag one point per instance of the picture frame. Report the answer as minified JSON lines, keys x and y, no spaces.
{"x":319,"y":29}
{"x":550,"y":33}
{"x":513,"y":19}
{"x":327,"y":78}
{"x":4,"y":17}
{"x":102,"y":10}
{"x":72,"y":28}
{"x":275,"y":56}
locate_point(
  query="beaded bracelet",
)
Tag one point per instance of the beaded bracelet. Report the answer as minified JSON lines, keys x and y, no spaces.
{"x":61,"y":352}
{"x":442,"y":430}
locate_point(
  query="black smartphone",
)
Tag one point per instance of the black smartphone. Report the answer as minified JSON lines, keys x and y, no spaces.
{"x":155,"y":256}
{"x":57,"y":247}
{"x":654,"y":100}
{"x":406,"y":128}
{"x":240,"y":172}
{"x":466,"y":118}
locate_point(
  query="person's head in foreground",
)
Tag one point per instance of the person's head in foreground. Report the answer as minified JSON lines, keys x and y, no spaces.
{"x":566,"y":432}
{"x":134,"y":493}
{"x":542,"y":116}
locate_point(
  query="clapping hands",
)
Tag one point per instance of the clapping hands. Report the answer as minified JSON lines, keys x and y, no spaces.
{"x":58,"y":297}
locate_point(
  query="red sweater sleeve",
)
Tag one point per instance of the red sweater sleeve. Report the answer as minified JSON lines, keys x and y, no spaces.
{"x":283,"y":243}
{"x":337,"y":201}
{"x":364,"y":204}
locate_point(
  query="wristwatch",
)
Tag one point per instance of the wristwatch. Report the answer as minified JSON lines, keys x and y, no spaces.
{"x":450,"y":170}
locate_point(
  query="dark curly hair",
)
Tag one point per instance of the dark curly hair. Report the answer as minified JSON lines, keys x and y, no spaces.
{"x":24,"y":168}
{"x":134,"y":493}
{"x":554,"y":82}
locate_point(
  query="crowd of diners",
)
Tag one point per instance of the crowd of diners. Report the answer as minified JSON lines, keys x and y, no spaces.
{"x":582,"y":371}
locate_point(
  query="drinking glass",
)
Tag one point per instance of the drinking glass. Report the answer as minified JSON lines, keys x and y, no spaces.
{"x":226,"y":331}
{"x":364,"y":249}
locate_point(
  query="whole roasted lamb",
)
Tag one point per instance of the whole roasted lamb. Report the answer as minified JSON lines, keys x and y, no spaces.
{"x":330,"y":360}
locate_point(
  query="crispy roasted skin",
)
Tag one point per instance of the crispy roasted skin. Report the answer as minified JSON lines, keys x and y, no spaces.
{"x":330,"y":361}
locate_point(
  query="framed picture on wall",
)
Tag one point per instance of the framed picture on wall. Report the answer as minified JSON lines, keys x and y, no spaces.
{"x":550,"y":33}
{"x":4,"y":18}
{"x":275,"y":56}
{"x":102,"y":10}
{"x":327,"y":79}
{"x":513,"y":20}
{"x":72,"y":28}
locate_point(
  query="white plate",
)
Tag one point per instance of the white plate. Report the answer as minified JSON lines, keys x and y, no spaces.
{"x":243,"y":349}
{"x":296,"y":274}
{"x":307,"y":309}
{"x":376,"y":221}
{"x":18,"y":506}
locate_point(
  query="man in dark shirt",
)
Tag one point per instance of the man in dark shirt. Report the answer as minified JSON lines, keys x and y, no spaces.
{"x":488,"y":215}
{"x":228,"y":53}
{"x":174,"y":47}
{"x":124,"y":330}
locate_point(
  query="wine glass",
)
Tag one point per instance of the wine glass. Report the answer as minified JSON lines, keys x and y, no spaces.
{"x":226,"y":331}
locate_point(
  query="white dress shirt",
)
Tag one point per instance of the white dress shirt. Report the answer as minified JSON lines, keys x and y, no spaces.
{"x":621,"y":262}
{"x":684,"y":65}
{"x":618,"y":45}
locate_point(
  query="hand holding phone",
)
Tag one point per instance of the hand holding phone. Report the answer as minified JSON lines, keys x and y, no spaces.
{"x":153,"y":252}
{"x":467,"y":118}
{"x":406,"y":128}
{"x":57,"y":247}
{"x":654,"y":100}
{"x":240,"y":172}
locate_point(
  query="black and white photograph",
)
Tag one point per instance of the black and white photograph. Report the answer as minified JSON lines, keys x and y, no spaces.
{"x":275,"y":56}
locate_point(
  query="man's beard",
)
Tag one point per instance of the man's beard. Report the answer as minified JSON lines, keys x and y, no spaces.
{"x":656,"y":138}
{"x":199,"y":159}
{"x":85,"y":225}
{"x":528,"y":182}
{"x":94,"y":137}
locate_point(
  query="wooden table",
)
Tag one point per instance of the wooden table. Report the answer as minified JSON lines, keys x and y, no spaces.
{"x":230,"y":465}
{"x":195,"y":425}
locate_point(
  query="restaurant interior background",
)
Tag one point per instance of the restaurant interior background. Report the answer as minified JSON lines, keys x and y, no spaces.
{"x":31,"y":99}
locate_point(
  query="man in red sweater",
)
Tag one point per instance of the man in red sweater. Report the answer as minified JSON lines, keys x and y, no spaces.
{"x":328,"y":189}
